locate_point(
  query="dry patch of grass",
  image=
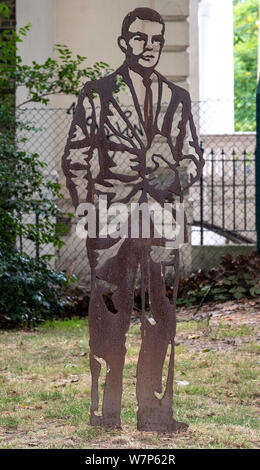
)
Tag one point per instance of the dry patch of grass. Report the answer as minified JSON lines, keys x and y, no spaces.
{"x":45,"y":388}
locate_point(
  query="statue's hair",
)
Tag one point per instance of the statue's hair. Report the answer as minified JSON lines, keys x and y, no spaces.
{"x":142,"y":14}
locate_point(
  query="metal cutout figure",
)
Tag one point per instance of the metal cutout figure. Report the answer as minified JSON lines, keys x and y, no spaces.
{"x":127,"y":167}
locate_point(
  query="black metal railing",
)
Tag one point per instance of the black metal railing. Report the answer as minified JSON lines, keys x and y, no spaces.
{"x":237,"y":174}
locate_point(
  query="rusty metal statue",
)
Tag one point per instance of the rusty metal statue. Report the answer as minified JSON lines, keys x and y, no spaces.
{"x":127,"y":167}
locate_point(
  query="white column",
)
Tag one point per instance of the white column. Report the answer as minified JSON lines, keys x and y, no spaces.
{"x":216,"y":69}
{"x":38,"y":45}
{"x":258,"y":74}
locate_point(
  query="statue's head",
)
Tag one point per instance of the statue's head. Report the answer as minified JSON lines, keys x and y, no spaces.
{"x":142,"y":39}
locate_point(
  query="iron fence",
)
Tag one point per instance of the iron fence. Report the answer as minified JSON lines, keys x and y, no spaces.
{"x":220,"y":208}
{"x":239,"y":228}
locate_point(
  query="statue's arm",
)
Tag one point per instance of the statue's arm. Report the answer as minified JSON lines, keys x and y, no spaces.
{"x":191,"y":155}
{"x":79,"y":149}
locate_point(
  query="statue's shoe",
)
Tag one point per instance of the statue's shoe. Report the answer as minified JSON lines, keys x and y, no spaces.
{"x":169,"y":426}
{"x":106,"y":421}
{"x":157,"y":423}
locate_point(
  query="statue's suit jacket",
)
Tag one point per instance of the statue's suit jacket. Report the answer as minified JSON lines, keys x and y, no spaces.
{"x":100,"y":159}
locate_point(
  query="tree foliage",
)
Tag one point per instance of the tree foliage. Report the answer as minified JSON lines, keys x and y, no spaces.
{"x":245,"y":63}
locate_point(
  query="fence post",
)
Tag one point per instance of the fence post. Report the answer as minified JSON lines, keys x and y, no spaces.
{"x":201,"y":201}
{"x":37,"y":242}
{"x":257,"y":167}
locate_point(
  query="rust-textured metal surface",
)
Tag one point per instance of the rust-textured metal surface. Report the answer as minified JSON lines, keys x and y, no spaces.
{"x":128,"y":167}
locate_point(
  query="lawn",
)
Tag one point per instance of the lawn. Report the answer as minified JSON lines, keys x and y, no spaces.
{"x":45,"y":385}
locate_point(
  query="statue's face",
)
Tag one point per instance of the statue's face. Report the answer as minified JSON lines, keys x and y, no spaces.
{"x":144,"y":48}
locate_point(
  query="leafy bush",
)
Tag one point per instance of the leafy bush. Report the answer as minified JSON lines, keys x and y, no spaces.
{"x":234,"y":279}
{"x":30,"y":290}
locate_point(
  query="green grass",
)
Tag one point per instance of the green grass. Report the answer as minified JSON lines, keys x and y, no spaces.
{"x":45,"y":390}
{"x":230,"y":331}
{"x":67,"y":324}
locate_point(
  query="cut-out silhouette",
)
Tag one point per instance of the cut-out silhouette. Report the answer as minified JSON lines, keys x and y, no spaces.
{"x":127,"y":167}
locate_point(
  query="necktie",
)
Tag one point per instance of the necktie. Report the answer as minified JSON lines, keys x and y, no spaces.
{"x":148,"y":107}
